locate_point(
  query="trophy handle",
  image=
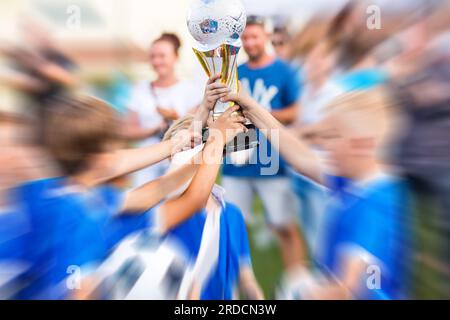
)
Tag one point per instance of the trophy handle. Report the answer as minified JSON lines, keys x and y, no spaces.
{"x":243,"y":141}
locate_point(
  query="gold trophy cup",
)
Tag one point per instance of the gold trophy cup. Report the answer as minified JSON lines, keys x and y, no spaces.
{"x":216,"y":25}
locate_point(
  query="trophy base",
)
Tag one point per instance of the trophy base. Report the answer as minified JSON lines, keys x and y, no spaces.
{"x":243,"y":141}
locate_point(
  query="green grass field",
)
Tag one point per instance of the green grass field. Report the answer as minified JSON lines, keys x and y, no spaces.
{"x":267,"y":262}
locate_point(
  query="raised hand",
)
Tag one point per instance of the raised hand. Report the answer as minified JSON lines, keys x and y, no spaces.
{"x":214,"y":91}
{"x":241,"y":98}
{"x":227,"y":126}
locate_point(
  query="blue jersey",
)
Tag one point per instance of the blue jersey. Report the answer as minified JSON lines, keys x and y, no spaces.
{"x":14,"y":230}
{"x":373,"y":218}
{"x":14,"y":234}
{"x":119,"y":226}
{"x":275,"y":87}
{"x":69,"y":228}
{"x":234,"y":250}
{"x":37,"y":245}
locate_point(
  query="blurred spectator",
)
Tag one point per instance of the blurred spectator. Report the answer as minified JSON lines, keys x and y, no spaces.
{"x":354,"y":43}
{"x":43,"y":71}
{"x":154,"y":104}
{"x":282,"y":43}
{"x":424,"y":155}
{"x":274,"y":84}
{"x":318,"y":91}
{"x":52,"y":67}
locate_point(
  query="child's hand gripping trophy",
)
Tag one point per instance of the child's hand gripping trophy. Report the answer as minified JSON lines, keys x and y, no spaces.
{"x":218,"y":91}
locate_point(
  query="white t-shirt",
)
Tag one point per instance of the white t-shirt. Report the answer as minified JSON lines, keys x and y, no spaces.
{"x":183,"y":97}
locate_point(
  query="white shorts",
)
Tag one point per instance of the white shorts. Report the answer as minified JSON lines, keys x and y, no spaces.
{"x":280,"y":203}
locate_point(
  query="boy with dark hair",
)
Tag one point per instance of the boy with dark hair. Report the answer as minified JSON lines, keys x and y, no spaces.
{"x":72,"y":216}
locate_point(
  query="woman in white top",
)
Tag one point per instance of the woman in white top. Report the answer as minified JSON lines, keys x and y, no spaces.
{"x":155,"y":104}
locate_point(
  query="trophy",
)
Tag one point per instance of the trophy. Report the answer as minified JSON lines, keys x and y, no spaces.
{"x":217,"y":25}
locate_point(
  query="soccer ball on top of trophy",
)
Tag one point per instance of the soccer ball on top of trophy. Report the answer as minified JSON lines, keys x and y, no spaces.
{"x":217,"y":25}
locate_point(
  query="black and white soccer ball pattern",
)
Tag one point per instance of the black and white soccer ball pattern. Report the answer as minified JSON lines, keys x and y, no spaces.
{"x":143,"y":268}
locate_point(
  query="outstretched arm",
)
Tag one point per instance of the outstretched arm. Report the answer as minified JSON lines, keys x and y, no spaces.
{"x":195,"y":197}
{"x":126,"y":161}
{"x":346,"y":287}
{"x":146,"y":197}
{"x":296,"y":152}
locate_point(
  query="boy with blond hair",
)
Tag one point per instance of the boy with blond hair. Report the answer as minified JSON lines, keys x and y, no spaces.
{"x":74,"y":214}
{"x":366,"y":219}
